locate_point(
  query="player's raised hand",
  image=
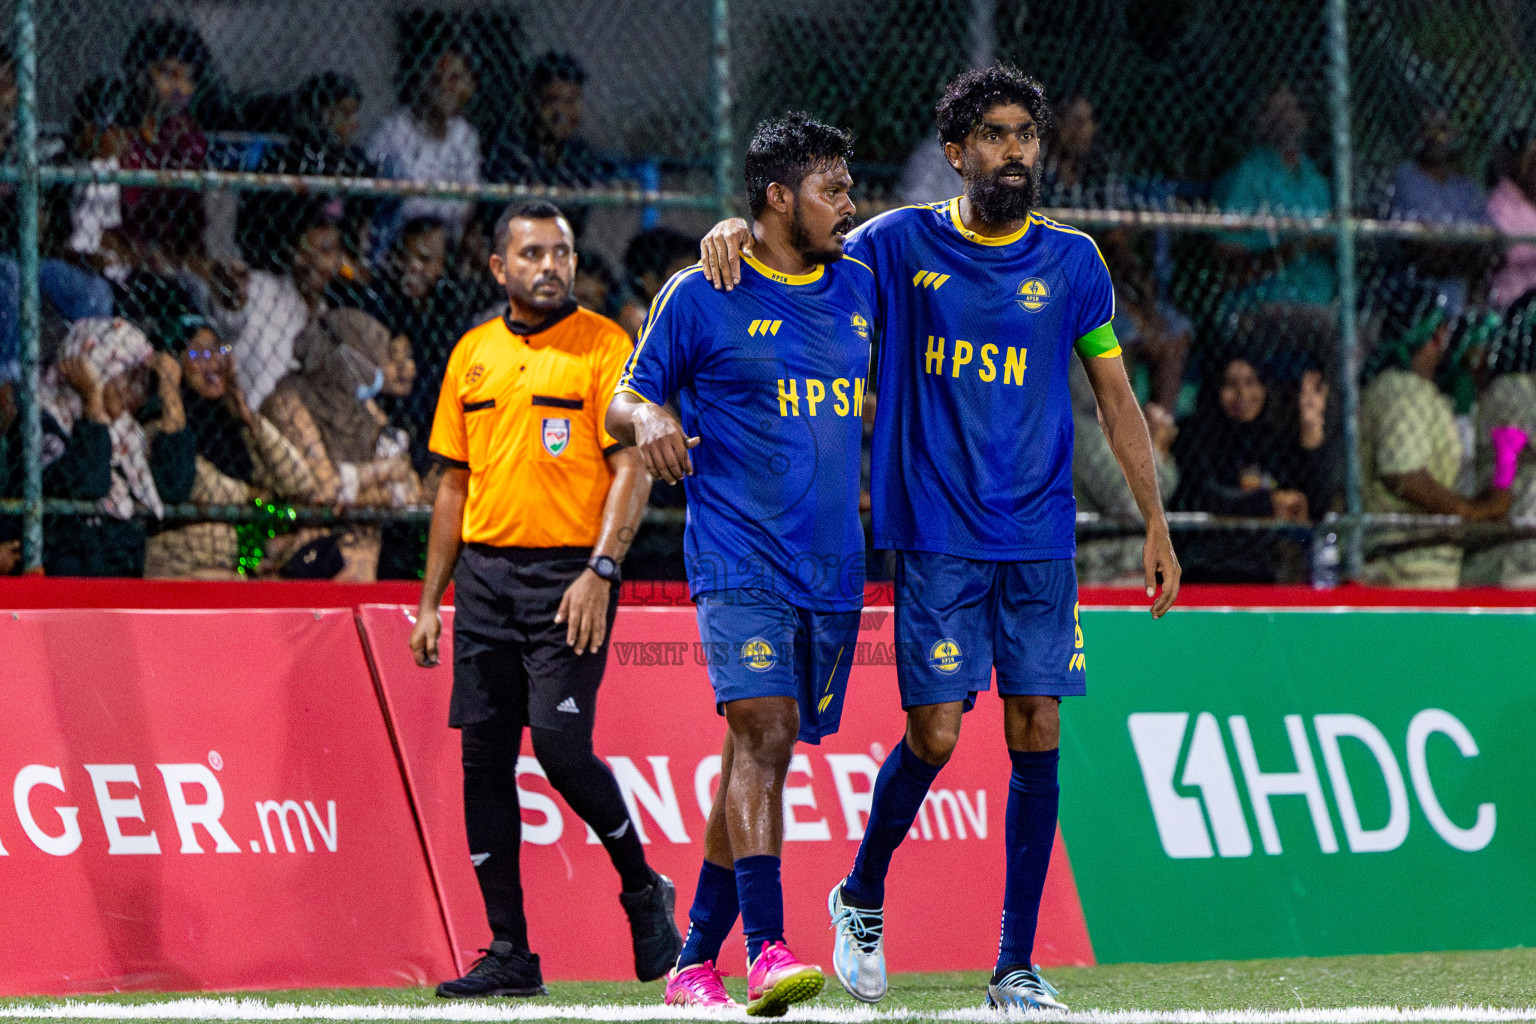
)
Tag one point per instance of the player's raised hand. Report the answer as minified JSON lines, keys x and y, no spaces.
{"x":720,"y":252}
{"x":1158,"y":559}
{"x":662,"y":443}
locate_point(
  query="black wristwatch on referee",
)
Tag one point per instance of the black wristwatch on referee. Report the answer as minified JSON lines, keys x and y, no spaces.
{"x":605,"y":568}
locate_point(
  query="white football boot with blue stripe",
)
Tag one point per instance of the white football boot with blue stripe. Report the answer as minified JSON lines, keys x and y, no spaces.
{"x":1023,"y":989}
{"x":858,"y":948}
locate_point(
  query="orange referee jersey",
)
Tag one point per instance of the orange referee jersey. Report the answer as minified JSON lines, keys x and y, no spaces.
{"x":524,"y":414}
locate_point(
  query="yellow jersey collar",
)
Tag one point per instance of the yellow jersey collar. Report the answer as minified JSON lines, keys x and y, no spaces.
{"x":774,"y":275}
{"x":971,"y":236}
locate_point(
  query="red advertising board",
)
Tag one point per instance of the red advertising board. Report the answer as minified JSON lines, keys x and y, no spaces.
{"x":204,"y":800}
{"x":657,"y":728}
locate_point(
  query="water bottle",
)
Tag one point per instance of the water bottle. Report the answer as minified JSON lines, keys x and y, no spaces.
{"x":1326,"y":557}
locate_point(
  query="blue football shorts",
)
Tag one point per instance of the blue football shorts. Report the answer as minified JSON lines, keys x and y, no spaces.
{"x":957,"y":619}
{"x":759,"y":645}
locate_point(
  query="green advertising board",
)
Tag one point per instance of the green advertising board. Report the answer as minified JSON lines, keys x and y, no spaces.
{"x":1254,"y":784}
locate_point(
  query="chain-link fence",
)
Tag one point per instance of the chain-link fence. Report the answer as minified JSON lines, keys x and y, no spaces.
{"x":221,"y":218}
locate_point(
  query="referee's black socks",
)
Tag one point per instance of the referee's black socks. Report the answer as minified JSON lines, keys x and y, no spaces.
{"x":589,"y":787}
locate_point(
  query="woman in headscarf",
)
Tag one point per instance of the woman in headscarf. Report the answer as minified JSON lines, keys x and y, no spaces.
{"x":1410,"y":449}
{"x":1505,"y":446}
{"x":327,"y":410}
{"x":1236,"y":458}
{"x":94,"y":393}
{"x":239,"y":455}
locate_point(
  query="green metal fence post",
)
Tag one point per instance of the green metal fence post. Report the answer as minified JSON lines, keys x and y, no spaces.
{"x":27,"y":202}
{"x":1344,"y":224}
{"x":725,"y":178}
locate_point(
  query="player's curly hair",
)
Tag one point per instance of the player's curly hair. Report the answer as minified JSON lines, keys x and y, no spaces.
{"x":967,"y":99}
{"x":788,"y":149}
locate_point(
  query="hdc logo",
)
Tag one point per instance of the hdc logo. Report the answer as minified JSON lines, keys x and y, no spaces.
{"x":1159,"y":739}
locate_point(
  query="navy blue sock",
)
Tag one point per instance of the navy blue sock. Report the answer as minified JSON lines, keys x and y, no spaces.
{"x":900,"y":789}
{"x":1029,"y":829}
{"x":761,"y":893}
{"x":711,"y":917}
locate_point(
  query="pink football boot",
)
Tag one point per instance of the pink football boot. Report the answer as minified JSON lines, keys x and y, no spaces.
{"x":698,"y":985}
{"x":777,"y":980}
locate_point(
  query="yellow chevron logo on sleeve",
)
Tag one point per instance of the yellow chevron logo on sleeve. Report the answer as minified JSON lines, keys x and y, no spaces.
{"x":764,"y":327}
{"x":930,"y":279}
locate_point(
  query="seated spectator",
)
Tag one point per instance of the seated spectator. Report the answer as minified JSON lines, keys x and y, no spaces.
{"x":1410,"y":449}
{"x":239,"y":454}
{"x":417,"y":298}
{"x":650,"y":260}
{"x":1512,"y":209}
{"x":596,"y":288}
{"x":549,"y":150}
{"x":1099,"y":485}
{"x":294,"y":250}
{"x":327,"y":411}
{"x":95,"y":449}
{"x":1429,"y":188}
{"x":164,"y":63}
{"x":1278,"y":178}
{"x":98,"y":136}
{"x":1242,"y":454}
{"x":1507,"y":407}
{"x":1151,"y":331}
{"x":1075,"y":169}
{"x":428,"y":139}
{"x":322,"y":141}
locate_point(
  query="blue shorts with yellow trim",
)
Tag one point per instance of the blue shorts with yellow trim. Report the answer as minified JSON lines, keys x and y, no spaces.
{"x":759,"y":645}
{"x":957,"y":619}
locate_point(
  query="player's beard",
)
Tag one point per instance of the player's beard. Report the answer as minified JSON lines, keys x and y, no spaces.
{"x":800,"y":239}
{"x":996,"y":203}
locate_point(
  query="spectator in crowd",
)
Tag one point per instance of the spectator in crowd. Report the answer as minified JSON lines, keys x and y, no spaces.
{"x":420,"y":300}
{"x":322,"y":141}
{"x":1099,"y":485}
{"x":327,"y":410}
{"x":548,"y":150}
{"x":1512,"y":209}
{"x":1243,"y":454}
{"x":294,"y":249}
{"x":1410,"y":449}
{"x":239,"y":454}
{"x":650,"y":260}
{"x":1429,"y":188}
{"x":98,"y":137}
{"x":428,"y":139}
{"x":1282,"y":289}
{"x":1151,"y":331}
{"x":1075,"y":169}
{"x":95,"y":449}
{"x":165,"y":63}
{"x":596,"y":288}
{"x":1505,"y":431}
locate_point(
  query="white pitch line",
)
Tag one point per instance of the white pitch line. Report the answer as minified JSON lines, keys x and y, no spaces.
{"x":231,"y":1009}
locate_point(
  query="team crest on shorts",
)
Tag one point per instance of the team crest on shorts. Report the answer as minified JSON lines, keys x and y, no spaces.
{"x":1032,"y":295}
{"x":556,"y":435}
{"x":758,"y":655}
{"x":946,"y":657}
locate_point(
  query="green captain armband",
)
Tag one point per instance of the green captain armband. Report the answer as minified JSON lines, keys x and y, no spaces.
{"x":1100,"y":342}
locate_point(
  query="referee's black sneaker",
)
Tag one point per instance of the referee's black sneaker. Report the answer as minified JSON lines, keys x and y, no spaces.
{"x":653,"y":927}
{"x":505,"y":970}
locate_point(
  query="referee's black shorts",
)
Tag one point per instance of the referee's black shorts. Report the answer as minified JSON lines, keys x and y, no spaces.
{"x":509,"y":657}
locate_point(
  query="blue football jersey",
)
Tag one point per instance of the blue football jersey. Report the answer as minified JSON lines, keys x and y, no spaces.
{"x":771,"y":377}
{"x":973,"y":423}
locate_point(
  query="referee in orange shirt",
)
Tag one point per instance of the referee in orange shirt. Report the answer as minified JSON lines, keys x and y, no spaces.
{"x":536,"y":507}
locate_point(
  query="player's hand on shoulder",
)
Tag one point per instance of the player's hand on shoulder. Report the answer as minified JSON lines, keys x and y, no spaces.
{"x":663,"y":445}
{"x":1160,"y":562}
{"x":424,"y":637}
{"x":720,"y":252}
